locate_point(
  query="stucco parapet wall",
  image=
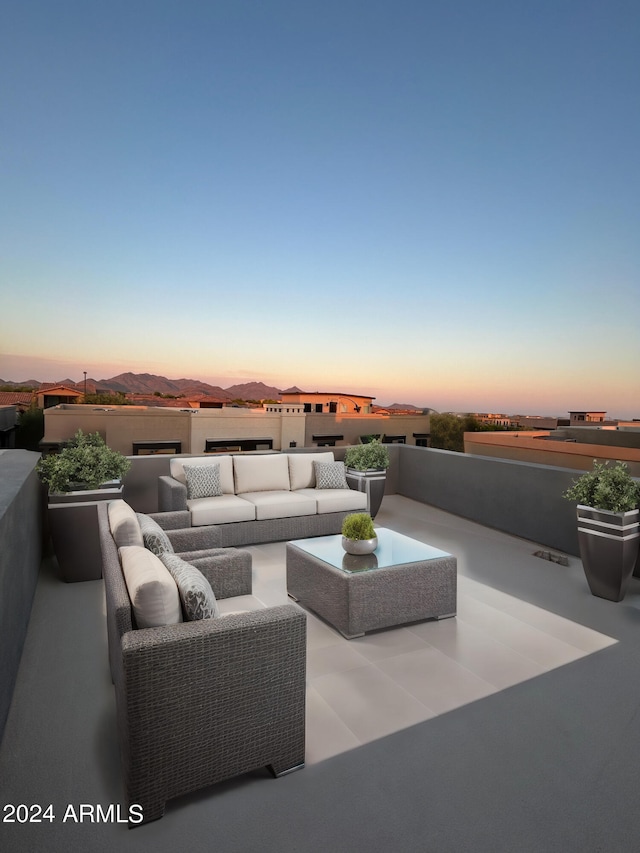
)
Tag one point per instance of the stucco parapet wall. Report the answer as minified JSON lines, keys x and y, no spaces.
{"x":534,"y":447}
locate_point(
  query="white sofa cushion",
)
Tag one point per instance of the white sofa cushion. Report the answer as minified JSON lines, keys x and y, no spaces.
{"x":280,"y":504}
{"x":265,"y":473}
{"x":124,"y":525}
{"x":336,"y":500}
{"x":301,"y":470}
{"x":197,"y":597}
{"x":152,"y":590}
{"x":221,"y":510}
{"x":176,"y":468}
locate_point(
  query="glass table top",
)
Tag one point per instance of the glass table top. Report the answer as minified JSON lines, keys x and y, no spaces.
{"x":393,"y":549}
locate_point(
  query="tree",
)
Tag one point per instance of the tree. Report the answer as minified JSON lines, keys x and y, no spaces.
{"x":30,"y":429}
{"x":447,"y":430}
{"x":106,"y":400}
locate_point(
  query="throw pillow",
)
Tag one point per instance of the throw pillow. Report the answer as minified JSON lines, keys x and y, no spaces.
{"x":330,"y":475}
{"x":154,"y":537}
{"x":196,"y":595}
{"x":203,"y":481}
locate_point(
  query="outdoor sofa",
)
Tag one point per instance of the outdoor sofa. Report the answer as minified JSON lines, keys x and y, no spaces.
{"x":253,"y":498}
{"x":197,"y":701}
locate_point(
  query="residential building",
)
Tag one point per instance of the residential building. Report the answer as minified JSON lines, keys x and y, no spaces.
{"x":568,"y":447}
{"x":276,"y":426}
{"x":329,"y":402}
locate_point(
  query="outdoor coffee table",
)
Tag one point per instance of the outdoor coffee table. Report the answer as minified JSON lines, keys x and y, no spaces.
{"x":402,"y":581}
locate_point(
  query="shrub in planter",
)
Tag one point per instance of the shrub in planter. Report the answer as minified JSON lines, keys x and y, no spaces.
{"x":358,"y":526}
{"x":85,"y":462}
{"x":605,"y":487}
{"x":365,"y":457}
{"x":359,"y":534}
{"x":608,"y":527}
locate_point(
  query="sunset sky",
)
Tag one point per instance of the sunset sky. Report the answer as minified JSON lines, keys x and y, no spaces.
{"x":430,"y":202}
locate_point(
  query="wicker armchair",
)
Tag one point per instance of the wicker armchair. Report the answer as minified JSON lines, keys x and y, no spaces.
{"x":203,"y":701}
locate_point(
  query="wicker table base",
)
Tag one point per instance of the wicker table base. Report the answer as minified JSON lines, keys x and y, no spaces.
{"x":358,"y":601}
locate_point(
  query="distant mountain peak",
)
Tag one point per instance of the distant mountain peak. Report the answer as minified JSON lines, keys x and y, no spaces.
{"x":404,"y":406}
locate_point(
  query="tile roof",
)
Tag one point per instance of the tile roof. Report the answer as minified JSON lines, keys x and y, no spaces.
{"x":12,"y":398}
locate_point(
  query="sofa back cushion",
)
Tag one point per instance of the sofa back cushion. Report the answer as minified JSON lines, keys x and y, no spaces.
{"x":124,"y":525}
{"x":262,"y":473}
{"x":152,"y":590}
{"x":176,"y":467}
{"x":301,"y":470}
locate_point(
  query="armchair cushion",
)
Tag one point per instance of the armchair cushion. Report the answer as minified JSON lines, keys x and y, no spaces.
{"x":196,"y":595}
{"x":203,"y":481}
{"x":240,"y":604}
{"x":152,"y":590}
{"x":154,"y":537}
{"x":330,"y":475}
{"x":124,"y":524}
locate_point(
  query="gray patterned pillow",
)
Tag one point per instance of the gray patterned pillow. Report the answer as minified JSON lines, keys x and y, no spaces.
{"x":203,"y":481}
{"x":153,"y":536}
{"x":196,"y":595}
{"x":330,"y":475}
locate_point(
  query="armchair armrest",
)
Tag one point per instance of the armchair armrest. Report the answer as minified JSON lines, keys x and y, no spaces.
{"x":175,"y":520}
{"x":227,"y":570}
{"x":189,"y":538}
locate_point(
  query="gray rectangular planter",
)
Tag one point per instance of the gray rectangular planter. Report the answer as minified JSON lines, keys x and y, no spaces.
{"x":73,"y":524}
{"x":372,"y":482}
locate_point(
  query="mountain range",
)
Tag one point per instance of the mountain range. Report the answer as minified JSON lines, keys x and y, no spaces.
{"x":148,"y":383}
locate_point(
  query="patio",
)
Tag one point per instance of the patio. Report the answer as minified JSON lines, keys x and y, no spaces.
{"x":513,"y":726}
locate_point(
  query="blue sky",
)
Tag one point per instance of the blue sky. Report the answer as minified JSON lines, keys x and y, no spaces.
{"x":430,"y":202}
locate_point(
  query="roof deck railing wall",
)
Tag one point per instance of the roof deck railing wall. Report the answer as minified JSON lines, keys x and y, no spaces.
{"x":520,"y":498}
{"x":20,"y":557}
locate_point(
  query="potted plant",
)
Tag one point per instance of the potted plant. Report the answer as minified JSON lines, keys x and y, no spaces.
{"x":366,"y":466}
{"x":84,"y":463}
{"x":608,"y":527}
{"x":84,"y":472}
{"x":359,"y":534}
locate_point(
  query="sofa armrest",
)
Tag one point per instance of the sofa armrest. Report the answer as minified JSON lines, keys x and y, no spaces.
{"x":172,"y":494}
{"x":228,"y":570}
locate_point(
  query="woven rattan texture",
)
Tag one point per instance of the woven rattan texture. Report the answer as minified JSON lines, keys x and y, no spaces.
{"x":203,"y":701}
{"x":366,"y":601}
